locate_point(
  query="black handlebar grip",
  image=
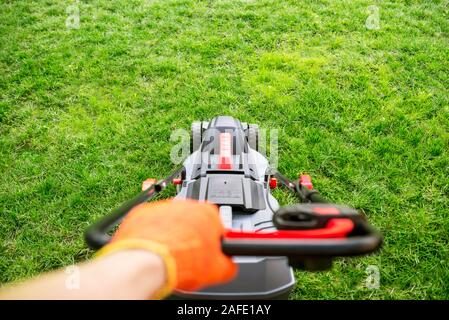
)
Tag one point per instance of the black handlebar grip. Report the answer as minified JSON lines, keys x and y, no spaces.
{"x":97,"y":236}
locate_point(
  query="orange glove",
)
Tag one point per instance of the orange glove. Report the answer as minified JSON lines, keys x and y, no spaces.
{"x":186,"y":234}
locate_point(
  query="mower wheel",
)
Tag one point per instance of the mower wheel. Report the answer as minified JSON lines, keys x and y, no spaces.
{"x":253,"y":136}
{"x":196,"y":135}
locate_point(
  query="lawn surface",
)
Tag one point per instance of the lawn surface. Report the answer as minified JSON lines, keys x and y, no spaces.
{"x":86,"y":115}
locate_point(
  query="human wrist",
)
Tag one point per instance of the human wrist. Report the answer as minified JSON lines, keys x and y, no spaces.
{"x":153,"y":259}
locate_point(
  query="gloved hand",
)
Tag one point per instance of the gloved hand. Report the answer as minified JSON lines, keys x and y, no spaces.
{"x":186,"y":234}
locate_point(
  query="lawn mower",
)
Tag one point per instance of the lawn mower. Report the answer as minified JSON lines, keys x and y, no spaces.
{"x":225,"y":167}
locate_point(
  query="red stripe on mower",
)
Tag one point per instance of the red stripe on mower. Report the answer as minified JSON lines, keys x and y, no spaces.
{"x":225,"y":157}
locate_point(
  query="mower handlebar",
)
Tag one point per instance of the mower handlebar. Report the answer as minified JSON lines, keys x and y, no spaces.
{"x":97,"y":236}
{"x":312,"y":254}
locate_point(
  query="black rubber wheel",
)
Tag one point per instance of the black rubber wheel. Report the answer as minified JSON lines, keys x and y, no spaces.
{"x":196,"y":135}
{"x":253,"y":136}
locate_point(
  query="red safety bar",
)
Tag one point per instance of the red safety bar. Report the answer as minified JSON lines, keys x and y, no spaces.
{"x":335,"y":228}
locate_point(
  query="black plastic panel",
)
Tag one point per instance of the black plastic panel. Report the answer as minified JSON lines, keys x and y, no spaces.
{"x":234,"y":190}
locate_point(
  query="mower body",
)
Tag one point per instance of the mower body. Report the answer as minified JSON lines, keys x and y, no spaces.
{"x":226,"y":168}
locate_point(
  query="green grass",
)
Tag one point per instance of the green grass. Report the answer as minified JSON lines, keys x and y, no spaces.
{"x":86,"y":115}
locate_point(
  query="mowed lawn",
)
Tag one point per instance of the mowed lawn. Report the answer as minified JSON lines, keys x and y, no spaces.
{"x":86,"y":114}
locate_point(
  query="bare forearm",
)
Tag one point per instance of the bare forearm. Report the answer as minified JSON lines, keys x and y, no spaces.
{"x":128,"y":274}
